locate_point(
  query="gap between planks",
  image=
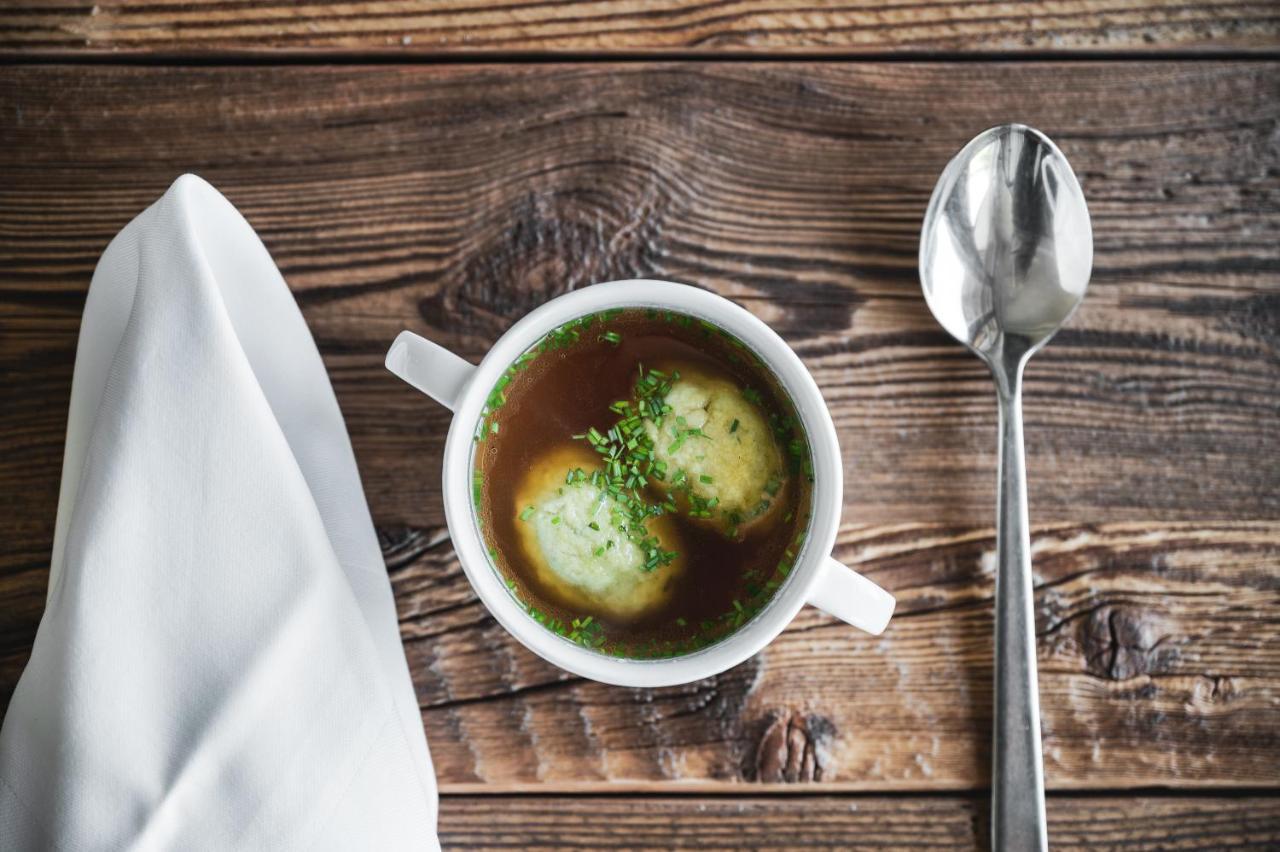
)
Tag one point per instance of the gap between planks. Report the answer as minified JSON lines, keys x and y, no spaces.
{"x":792,"y":793}
{"x":321,"y":56}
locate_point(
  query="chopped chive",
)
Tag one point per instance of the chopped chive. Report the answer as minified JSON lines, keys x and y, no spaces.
{"x":611,"y":337}
{"x":705,"y":479}
{"x":626,"y":454}
{"x":527,"y":513}
{"x":733,"y":427}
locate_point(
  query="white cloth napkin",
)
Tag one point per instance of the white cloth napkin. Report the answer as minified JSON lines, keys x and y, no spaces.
{"x":218,"y":666}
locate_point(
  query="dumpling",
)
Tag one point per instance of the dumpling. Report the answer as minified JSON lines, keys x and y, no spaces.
{"x":718,"y":447}
{"x":567,"y":532}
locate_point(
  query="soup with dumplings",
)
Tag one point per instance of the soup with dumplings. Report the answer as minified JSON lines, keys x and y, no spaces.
{"x":642,"y":482}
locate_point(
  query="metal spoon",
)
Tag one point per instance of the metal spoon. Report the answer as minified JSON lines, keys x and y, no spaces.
{"x":1005,"y":255}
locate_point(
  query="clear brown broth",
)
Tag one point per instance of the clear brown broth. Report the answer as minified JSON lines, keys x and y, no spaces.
{"x":564,"y":391}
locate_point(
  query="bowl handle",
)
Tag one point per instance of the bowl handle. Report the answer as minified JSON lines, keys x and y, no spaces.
{"x":851,"y":597}
{"x":430,"y":368}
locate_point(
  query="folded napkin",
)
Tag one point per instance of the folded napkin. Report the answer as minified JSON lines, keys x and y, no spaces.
{"x":218,"y":666}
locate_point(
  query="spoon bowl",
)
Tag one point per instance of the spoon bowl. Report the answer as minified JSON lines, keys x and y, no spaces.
{"x":1007,"y":247}
{"x":1005,"y":256}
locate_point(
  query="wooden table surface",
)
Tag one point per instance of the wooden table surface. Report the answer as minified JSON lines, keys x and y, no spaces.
{"x":446,"y":168}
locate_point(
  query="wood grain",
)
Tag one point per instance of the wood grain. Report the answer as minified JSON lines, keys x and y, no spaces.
{"x":848,"y":823}
{"x":1157,"y":650}
{"x":472,"y":26}
{"x":453,"y":199}
{"x":1157,"y":657}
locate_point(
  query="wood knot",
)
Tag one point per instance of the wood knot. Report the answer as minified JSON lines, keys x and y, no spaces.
{"x":1212,"y":689}
{"x":793,"y":748}
{"x":1120,"y":643}
{"x":402,"y":545}
{"x":546,"y":243}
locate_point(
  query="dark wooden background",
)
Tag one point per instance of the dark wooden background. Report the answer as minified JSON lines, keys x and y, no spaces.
{"x":446,"y":169}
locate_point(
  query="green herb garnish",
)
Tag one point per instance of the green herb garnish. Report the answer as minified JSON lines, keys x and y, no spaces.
{"x":681,"y":434}
{"x":627,"y":463}
{"x":700,"y":507}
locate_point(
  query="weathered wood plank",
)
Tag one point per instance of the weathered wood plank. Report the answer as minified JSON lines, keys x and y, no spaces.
{"x":452,"y":200}
{"x":470,"y":26}
{"x":848,"y":823}
{"x":1157,"y":655}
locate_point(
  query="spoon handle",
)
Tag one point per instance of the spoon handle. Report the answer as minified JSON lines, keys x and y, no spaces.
{"x":1017,"y":785}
